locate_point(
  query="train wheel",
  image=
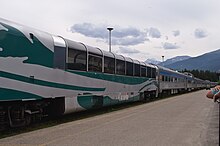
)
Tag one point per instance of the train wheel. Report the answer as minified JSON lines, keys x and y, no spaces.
{"x":27,"y":119}
{"x":3,"y":124}
{"x":147,"y":97}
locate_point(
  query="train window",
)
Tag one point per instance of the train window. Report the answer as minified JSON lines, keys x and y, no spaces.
{"x":137,"y":70}
{"x":129,"y":69}
{"x":143,"y":71}
{"x":176,"y":80}
{"x":153,"y":72}
{"x":161,"y":78}
{"x":109,"y":65}
{"x":166,"y":78}
{"x":76,"y":60}
{"x":59,"y":57}
{"x":149,"y":72}
{"x":120,"y":67}
{"x":95,"y":63}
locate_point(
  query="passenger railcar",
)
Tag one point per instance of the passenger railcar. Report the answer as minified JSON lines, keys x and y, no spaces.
{"x":43,"y":74}
{"x":171,"y":81}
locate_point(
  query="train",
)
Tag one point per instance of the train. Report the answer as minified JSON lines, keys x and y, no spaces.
{"x":47,"y":75}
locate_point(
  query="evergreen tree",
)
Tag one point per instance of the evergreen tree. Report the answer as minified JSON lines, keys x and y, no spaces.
{"x":204,"y":75}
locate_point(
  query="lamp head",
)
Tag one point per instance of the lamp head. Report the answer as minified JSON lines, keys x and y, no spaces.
{"x":110,"y":28}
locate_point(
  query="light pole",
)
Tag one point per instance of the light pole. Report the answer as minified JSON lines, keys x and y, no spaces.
{"x":162,"y":60}
{"x":110,"y":29}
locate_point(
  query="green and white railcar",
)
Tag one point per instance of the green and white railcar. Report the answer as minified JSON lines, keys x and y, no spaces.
{"x":43,"y":74}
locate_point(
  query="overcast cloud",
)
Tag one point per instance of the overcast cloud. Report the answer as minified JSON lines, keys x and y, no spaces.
{"x":154,"y":33}
{"x":127,"y":50}
{"x":200,"y":33}
{"x":143,"y":25}
{"x":129,"y":36}
{"x":168,"y":46}
{"x":176,"y":33}
{"x":90,"y":30}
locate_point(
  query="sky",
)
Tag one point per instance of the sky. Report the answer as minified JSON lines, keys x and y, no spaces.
{"x":143,"y":29}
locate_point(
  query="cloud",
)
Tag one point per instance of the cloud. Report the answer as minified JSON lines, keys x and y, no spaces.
{"x":154,"y":32}
{"x":128,"y":50}
{"x":170,"y":46}
{"x":120,"y":36}
{"x":129,"y":40}
{"x":90,"y":30}
{"x":124,"y":32}
{"x":176,"y":33}
{"x":200,"y":33}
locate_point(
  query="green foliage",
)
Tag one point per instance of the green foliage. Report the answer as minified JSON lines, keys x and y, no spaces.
{"x":205,"y":75}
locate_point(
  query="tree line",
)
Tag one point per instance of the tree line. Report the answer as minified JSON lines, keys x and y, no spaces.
{"x":205,"y":75}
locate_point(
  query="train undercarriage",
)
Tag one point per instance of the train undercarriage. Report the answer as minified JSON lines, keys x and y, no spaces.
{"x":22,"y":113}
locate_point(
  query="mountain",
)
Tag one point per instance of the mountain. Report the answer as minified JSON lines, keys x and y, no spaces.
{"x":152,"y":61}
{"x":173,"y":60}
{"x":168,"y":61}
{"x":209,"y":61}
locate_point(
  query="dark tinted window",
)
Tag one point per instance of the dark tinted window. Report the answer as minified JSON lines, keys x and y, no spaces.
{"x":149,"y":72}
{"x":95,"y":63}
{"x":137,"y":70}
{"x":166,"y":78}
{"x":129,"y":68}
{"x":59,"y":57}
{"x":120,"y":67}
{"x":143,"y":71}
{"x":163,"y":78}
{"x":109,"y":65}
{"x":153,"y":73}
{"x":76,"y":60}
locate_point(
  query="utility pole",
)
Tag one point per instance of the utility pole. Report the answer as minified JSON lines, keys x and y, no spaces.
{"x":163,"y":60}
{"x":110,"y":29}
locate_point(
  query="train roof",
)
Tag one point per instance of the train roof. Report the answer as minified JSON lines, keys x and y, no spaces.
{"x":44,"y":37}
{"x":161,"y":68}
{"x":151,"y":65}
{"x":93,"y":50}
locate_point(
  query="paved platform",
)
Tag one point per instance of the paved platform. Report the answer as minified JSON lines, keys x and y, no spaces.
{"x":188,"y":119}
